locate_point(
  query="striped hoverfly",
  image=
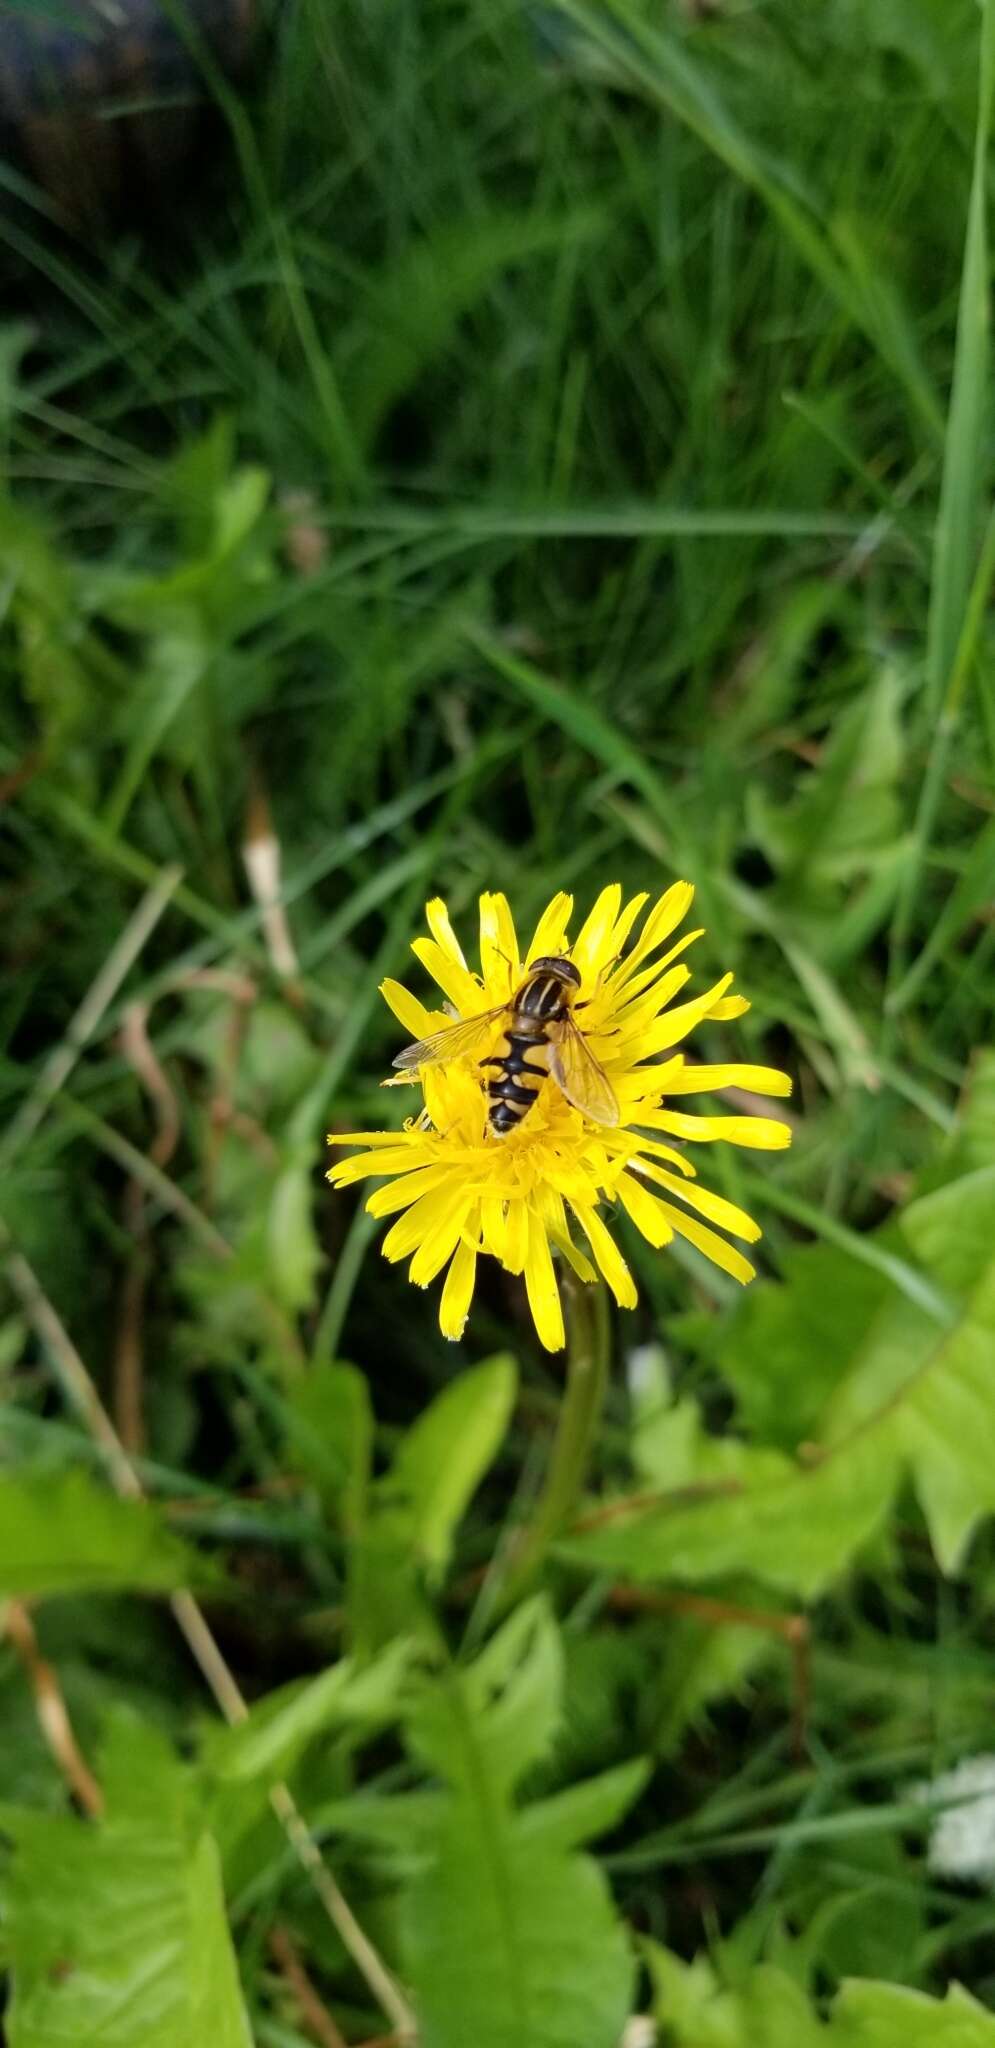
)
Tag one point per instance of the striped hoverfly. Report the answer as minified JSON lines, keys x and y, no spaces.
{"x":540,"y":1039}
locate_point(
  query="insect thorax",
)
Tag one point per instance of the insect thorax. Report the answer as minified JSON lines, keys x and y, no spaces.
{"x":548,"y":990}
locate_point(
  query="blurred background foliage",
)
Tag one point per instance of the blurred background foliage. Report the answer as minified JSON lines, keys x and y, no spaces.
{"x":517,"y":448}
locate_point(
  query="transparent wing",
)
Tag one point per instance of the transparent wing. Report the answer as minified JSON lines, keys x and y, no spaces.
{"x":584,"y":1083}
{"x":456,"y":1042}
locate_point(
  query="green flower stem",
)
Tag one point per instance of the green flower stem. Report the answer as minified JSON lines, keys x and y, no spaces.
{"x":588,"y":1331}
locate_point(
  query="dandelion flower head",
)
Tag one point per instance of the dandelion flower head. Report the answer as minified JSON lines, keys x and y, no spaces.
{"x":459,"y":1192}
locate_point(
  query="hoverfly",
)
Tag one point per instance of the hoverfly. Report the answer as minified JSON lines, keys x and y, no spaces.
{"x":539,"y":1038}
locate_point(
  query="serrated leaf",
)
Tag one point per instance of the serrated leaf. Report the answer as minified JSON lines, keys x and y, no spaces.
{"x":446,"y":1453}
{"x":912,"y":1398}
{"x":506,"y":1938}
{"x":487,"y":1723}
{"x":582,"y":1812}
{"x":796,"y":1528}
{"x":868,"y":2015}
{"x":62,"y":1533}
{"x":279,"y":1727}
{"x":116,"y":1930}
{"x":407,"y":1823}
{"x":767,"y":2008}
{"x":506,"y":1942}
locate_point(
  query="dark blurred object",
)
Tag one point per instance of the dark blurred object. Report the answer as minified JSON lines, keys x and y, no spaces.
{"x":103,"y":101}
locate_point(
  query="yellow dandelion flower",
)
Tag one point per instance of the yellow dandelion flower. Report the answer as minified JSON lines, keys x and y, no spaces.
{"x":458,"y":1190}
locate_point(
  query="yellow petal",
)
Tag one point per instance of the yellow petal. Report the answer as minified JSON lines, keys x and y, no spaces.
{"x":439,"y":1243}
{"x":404,"y":1160}
{"x":499,"y":962}
{"x":632,"y":1019}
{"x":516,"y":1236}
{"x":757,"y":1133}
{"x":625,"y":921}
{"x":610,"y":1261}
{"x":647,"y":976}
{"x":550,"y":936}
{"x":564,"y":1244}
{"x":437,"y":919}
{"x":422,"y":1220}
{"x":644,"y":1084}
{"x":494,"y":1227}
{"x":675,"y":1024}
{"x":675,"y":1160}
{"x":668,"y":912}
{"x":554,"y":1216}
{"x":715,"y":1207}
{"x":456,"y":981}
{"x":541,"y":1288}
{"x":710,"y":1244}
{"x":416,"y":1019}
{"x":454,"y":1100}
{"x":700,"y":1080}
{"x":457,"y":1293}
{"x":646,"y":1210}
{"x":730,"y":1006}
{"x":401,"y":1193}
{"x":369,"y":1138}
{"x":591,"y":948}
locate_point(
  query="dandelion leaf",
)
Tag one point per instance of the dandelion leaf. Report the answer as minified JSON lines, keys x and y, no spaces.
{"x":769,"y":2008}
{"x":116,"y":1930}
{"x":508,"y":1935}
{"x":910,"y":1397}
{"x":61,"y":1532}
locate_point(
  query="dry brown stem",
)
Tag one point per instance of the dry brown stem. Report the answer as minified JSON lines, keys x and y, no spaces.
{"x":50,"y":1705}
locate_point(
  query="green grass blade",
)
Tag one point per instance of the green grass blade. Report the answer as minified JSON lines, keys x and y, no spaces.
{"x":956,"y":537}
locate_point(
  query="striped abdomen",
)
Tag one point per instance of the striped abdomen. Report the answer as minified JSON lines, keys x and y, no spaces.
{"x":521,"y":1062}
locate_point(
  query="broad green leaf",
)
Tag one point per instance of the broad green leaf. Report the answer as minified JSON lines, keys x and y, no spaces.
{"x":796,"y":1529}
{"x":445,"y":1454}
{"x":406,"y":1823}
{"x":406,"y":1532}
{"x":912,"y":1398}
{"x":116,"y":1930}
{"x":62,"y":1533}
{"x":485,"y":1724}
{"x":671,"y":1447}
{"x":507,"y":1939}
{"x":868,"y":2015}
{"x":767,"y":2008}
{"x":582,"y":1812}
{"x":507,"y":1943}
{"x":387,"y":1597}
{"x":278,"y":1728}
{"x":330,"y":1425}
{"x":787,"y":1346}
{"x":293,"y":1253}
{"x":865,"y":1914}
